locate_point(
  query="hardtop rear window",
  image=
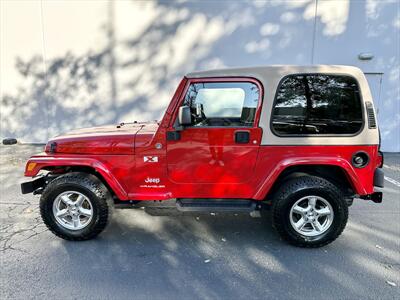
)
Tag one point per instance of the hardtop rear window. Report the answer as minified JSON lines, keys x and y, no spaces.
{"x":317,"y":104}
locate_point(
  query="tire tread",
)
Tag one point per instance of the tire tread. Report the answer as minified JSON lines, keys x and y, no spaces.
{"x":298,"y":184}
{"x":86,"y":181}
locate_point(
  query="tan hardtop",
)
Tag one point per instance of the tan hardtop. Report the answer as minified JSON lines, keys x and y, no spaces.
{"x":263,"y":73}
{"x":270,"y":76}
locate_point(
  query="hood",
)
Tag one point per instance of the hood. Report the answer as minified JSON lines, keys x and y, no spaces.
{"x":111,"y":139}
{"x":144,"y":136}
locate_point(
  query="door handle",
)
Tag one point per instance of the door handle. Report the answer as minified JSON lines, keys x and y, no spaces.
{"x":242,"y":137}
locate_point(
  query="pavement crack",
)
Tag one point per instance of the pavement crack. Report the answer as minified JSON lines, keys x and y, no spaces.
{"x":8,"y":242}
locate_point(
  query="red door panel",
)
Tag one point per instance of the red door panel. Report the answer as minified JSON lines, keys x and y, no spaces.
{"x":211,"y":156}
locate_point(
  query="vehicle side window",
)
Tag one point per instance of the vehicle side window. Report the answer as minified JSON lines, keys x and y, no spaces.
{"x":222,"y":103}
{"x":314,"y":104}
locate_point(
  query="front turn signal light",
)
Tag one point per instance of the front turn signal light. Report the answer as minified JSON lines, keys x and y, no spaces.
{"x":31,"y":166}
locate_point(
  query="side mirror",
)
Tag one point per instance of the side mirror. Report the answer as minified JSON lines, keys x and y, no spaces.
{"x":184,"y":116}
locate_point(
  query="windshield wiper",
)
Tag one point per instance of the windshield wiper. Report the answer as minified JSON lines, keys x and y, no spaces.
{"x":134,"y":122}
{"x":126,"y":123}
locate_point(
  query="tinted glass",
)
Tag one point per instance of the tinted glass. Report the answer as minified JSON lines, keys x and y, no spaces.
{"x":222,"y":103}
{"x":317,"y":104}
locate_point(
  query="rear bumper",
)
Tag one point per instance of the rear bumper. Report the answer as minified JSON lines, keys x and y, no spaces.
{"x":31,"y":186}
{"x":379,"y":178}
{"x":374,"y":197}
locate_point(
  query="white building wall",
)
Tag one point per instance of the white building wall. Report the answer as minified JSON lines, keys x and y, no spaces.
{"x":69,"y":64}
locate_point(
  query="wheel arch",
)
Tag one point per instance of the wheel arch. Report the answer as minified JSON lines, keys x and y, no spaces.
{"x":337,"y":171}
{"x":93,"y":167}
{"x":332,"y":173}
{"x":83,"y":169}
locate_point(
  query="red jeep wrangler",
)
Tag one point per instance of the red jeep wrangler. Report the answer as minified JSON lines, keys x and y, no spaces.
{"x":301,"y":140}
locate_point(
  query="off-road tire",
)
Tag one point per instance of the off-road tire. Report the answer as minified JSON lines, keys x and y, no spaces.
{"x":90,"y":186}
{"x":294,"y":190}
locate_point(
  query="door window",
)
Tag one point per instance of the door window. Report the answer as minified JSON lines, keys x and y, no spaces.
{"x":219,"y":104}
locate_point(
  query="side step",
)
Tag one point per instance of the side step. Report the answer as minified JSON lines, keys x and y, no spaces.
{"x":216,"y":205}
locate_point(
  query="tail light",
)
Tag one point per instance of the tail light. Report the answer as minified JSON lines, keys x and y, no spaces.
{"x":380,"y":159}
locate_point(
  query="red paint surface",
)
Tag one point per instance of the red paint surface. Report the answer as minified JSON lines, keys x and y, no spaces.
{"x":98,"y":140}
{"x":204,"y":163}
{"x":211,"y":155}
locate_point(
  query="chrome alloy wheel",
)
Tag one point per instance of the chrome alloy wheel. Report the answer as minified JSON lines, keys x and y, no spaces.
{"x":311,"y":216}
{"x":72,"y":210}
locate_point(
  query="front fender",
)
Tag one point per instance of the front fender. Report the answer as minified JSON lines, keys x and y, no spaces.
{"x":298,"y":161}
{"x":37,"y":163}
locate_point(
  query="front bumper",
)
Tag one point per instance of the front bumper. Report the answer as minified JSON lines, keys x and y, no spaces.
{"x":32,"y":186}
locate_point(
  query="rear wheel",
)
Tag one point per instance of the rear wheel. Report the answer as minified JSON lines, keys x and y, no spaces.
{"x":309,"y":211}
{"x":76,"y":206}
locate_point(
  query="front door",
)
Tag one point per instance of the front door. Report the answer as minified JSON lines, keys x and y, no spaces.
{"x":218,"y":151}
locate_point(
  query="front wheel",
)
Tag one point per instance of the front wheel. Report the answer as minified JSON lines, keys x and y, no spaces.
{"x":76,"y":206}
{"x":309,"y":211}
